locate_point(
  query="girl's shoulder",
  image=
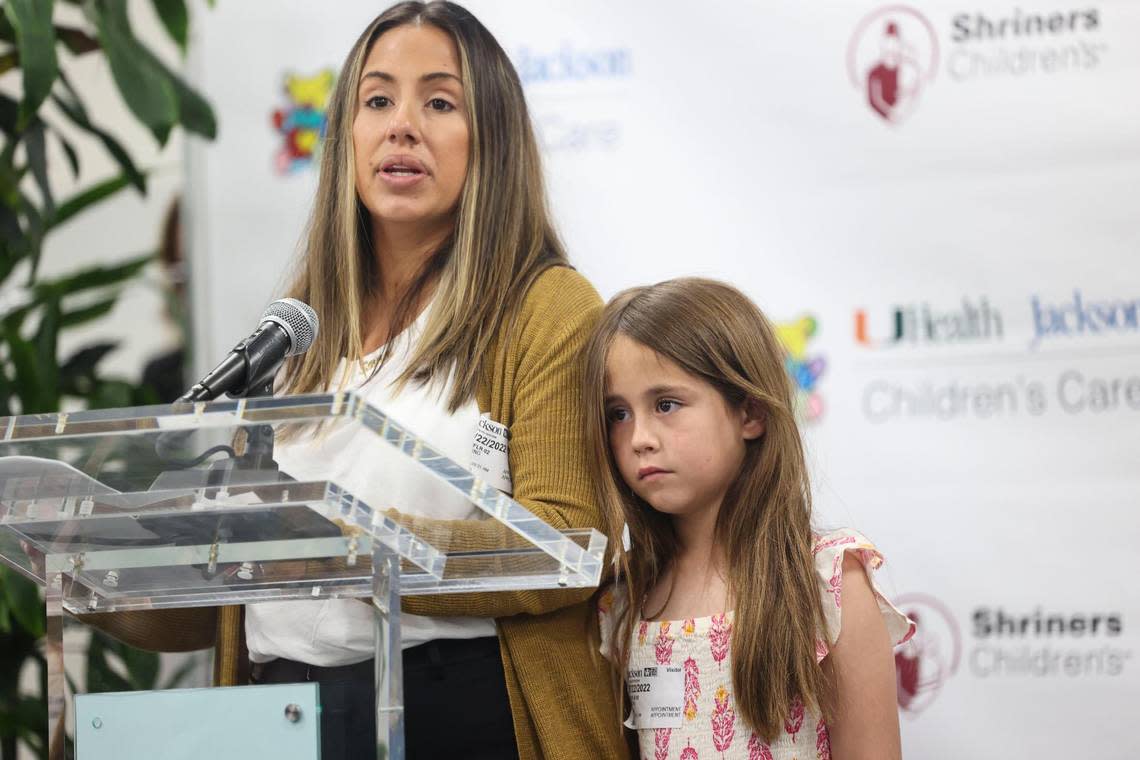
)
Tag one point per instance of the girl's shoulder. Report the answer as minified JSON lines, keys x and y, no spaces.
{"x":828,"y":551}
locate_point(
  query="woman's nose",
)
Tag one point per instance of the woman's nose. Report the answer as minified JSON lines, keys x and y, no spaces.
{"x":403,"y":128}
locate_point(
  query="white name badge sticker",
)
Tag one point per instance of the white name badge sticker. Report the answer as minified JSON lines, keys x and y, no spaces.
{"x":656,"y":695}
{"x":489,"y":453}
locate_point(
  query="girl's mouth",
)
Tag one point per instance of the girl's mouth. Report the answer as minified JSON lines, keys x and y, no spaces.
{"x":648,"y":472}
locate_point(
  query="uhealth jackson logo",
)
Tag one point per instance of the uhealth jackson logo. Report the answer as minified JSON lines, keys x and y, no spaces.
{"x":891,"y":57}
{"x":925,"y":662}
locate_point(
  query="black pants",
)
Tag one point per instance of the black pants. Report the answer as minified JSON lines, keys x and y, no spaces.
{"x":455,"y":702}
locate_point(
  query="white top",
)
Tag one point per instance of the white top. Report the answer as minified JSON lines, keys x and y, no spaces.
{"x":333,"y":632}
{"x":699,"y":691}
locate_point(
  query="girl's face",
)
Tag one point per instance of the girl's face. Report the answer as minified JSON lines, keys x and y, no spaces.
{"x":677,"y":442}
{"x":410,"y":136}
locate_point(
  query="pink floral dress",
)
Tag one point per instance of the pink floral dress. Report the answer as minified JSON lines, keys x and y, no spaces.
{"x":709,"y":726}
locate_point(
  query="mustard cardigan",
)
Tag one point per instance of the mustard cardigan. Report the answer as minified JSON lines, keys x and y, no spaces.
{"x":560,"y":688}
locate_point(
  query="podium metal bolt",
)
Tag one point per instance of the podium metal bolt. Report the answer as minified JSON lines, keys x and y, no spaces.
{"x":292,"y":713}
{"x":245,"y":572}
{"x":111,"y":579}
{"x":97,"y":723}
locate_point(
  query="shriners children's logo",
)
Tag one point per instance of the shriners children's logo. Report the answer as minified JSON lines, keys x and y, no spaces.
{"x":925,"y":662}
{"x":804,"y":369}
{"x":891,"y":57}
{"x":302,"y":123}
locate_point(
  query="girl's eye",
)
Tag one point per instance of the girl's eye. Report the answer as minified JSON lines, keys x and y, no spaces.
{"x":378,"y":101}
{"x":667,"y":405}
{"x":616,"y":414}
{"x":439,"y":104}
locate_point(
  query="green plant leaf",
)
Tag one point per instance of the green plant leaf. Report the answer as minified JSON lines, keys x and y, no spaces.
{"x":77,"y":373}
{"x":11,"y":240}
{"x":146,"y":89}
{"x":88,"y":313}
{"x":22,"y":718}
{"x":5,"y":392}
{"x":69,"y":151}
{"x":93,"y":277}
{"x":88,"y":198}
{"x":77,"y":41}
{"x":25,"y":382}
{"x":194,"y":113}
{"x":35,"y":39}
{"x":176,"y":19}
{"x":142,"y":666}
{"x":33,"y":234}
{"x":7,"y":33}
{"x":9,"y":255}
{"x":47,"y":341}
{"x":35,"y":145}
{"x":75,"y":112}
{"x":14,"y":319}
{"x":24,"y":601}
{"x":111,"y":394}
{"x":9,"y":114}
{"x":73,"y":108}
{"x":101,"y":676}
{"x":9,"y":61}
{"x":87,"y":358}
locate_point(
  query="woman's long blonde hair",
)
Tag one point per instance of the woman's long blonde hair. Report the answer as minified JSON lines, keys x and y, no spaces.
{"x":715,"y":333}
{"x":502,"y":240}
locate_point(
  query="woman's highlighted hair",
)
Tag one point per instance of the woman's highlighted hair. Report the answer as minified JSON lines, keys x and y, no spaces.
{"x":503,"y":237}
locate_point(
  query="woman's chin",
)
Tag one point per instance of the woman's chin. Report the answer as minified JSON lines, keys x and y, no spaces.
{"x":407,"y":214}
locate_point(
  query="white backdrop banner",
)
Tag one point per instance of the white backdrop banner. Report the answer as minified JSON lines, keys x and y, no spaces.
{"x":938,"y":204}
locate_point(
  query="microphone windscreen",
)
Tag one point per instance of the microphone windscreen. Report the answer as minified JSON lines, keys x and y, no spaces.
{"x":299,"y":321}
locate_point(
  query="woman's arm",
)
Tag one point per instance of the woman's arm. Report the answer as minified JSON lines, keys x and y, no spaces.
{"x":540,"y":396}
{"x":865,"y":718}
{"x":183,"y":629}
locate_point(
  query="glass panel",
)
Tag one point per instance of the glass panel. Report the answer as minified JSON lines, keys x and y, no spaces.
{"x":239,"y":500}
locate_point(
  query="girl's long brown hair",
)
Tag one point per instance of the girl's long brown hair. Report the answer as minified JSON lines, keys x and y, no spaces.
{"x":715,"y":333}
{"x":502,"y":240}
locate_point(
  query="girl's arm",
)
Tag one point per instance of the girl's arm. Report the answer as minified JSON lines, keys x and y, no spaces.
{"x":865,"y":717}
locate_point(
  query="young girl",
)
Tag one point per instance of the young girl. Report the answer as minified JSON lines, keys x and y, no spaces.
{"x":748,"y":635}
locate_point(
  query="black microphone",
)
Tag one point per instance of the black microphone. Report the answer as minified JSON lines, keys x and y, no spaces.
{"x":288,"y":327}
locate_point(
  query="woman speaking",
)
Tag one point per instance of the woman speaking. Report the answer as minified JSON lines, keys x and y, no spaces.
{"x":445,"y":293}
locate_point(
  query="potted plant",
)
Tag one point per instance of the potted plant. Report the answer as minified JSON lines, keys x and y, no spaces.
{"x":35,"y":310}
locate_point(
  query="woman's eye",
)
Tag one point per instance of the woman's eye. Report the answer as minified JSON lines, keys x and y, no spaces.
{"x":666,"y":405}
{"x":616,"y":415}
{"x":377,"y":101}
{"x":439,"y":104}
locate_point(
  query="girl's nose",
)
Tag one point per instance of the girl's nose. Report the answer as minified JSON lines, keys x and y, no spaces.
{"x":643,"y":439}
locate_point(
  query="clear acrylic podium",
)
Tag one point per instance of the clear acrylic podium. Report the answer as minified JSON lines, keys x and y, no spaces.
{"x":183,"y":506}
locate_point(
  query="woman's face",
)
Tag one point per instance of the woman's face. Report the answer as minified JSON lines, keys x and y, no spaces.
{"x":410,"y":136}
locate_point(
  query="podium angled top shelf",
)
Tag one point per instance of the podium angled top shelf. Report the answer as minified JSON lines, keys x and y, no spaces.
{"x":174,"y":506}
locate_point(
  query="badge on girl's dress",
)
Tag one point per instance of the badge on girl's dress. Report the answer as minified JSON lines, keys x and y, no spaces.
{"x":489,"y":453}
{"x":656,"y":696}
